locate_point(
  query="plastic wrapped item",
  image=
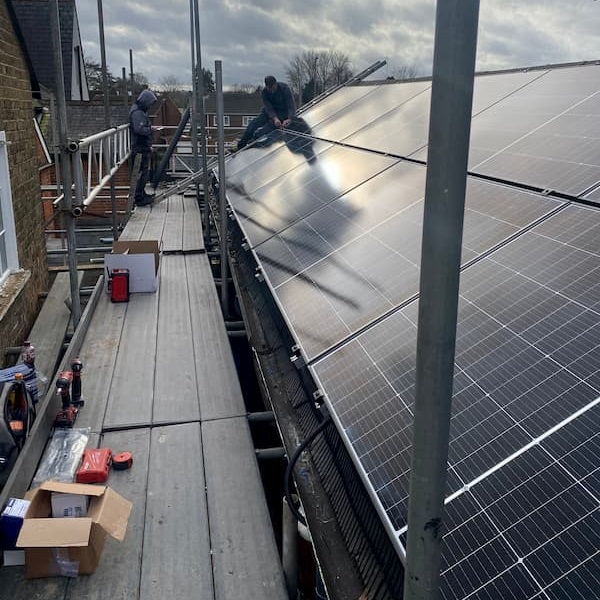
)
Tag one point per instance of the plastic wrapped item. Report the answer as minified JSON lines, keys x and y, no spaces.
{"x":41,"y":384}
{"x":62,"y":456}
{"x":64,"y":565}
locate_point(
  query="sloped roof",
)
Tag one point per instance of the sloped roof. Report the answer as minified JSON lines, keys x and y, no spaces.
{"x":35,"y":86}
{"x":335,"y":225}
{"x":34,"y":20}
{"x":235,"y":103}
{"x":87,"y":118}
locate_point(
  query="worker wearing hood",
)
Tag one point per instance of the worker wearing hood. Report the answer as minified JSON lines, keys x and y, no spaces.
{"x":141,"y":142}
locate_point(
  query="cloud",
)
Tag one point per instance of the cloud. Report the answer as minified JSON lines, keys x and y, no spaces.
{"x":253,"y":38}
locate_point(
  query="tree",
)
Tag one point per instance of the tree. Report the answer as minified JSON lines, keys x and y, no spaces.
{"x":170,"y":83}
{"x":140,"y":82}
{"x":93,"y":73}
{"x":246,"y":88}
{"x":311,"y":73}
{"x":177,"y":91}
{"x":405,"y":72}
{"x":208,"y":81}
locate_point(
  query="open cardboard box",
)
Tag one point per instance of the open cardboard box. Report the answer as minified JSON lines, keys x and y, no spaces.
{"x":141,"y":258}
{"x":70,"y":546}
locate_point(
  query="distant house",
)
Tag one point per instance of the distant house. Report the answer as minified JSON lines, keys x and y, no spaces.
{"x":239,"y":109}
{"x":34,"y":21}
{"x":23,"y":268}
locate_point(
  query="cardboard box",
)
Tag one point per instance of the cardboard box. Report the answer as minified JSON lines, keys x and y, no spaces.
{"x":68,"y":505}
{"x":70,"y":546}
{"x":11,"y":521}
{"x":141,"y":258}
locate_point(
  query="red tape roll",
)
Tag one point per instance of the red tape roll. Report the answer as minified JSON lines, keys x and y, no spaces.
{"x":122,"y":461}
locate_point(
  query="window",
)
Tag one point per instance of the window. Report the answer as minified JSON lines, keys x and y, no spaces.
{"x":225,"y":120}
{"x":246,"y":120}
{"x":8,"y":240}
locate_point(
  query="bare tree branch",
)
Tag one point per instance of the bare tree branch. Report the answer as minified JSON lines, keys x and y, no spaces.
{"x":312,"y":72}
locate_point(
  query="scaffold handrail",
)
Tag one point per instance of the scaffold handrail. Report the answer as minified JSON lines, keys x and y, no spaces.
{"x":95,"y":160}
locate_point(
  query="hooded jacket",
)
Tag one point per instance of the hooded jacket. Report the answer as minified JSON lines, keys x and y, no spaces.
{"x":139,"y":124}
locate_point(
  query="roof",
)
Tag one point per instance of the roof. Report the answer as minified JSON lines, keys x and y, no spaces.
{"x":35,"y":86}
{"x":334,"y":225}
{"x":235,"y":103}
{"x":34,"y":20}
{"x":87,"y":118}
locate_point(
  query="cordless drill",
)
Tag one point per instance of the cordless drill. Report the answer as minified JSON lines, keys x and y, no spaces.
{"x":67,"y":414}
{"x":76,"y":368}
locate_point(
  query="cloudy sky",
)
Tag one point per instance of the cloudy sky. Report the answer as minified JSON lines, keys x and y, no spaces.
{"x":253,"y":38}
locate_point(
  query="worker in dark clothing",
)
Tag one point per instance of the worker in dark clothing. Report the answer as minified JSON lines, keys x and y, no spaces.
{"x":141,"y":143}
{"x":278,"y":111}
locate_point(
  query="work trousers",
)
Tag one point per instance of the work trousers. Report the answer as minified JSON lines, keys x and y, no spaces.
{"x":142,"y":179}
{"x":259,"y":126}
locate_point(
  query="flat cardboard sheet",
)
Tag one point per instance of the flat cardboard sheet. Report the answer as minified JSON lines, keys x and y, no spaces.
{"x":141,"y":258}
{"x":55,"y":533}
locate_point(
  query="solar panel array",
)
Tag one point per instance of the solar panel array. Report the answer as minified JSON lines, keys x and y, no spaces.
{"x":336,"y":232}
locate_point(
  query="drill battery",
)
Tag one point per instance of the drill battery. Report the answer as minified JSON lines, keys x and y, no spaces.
{"x":94,"y":466}
{"x":119,"y":285}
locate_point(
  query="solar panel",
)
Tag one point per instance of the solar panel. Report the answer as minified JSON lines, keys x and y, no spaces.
{"x":560,"y":155}
{"x":255,"y":166}
{"x":311,"y":185}
{"x":593,"y":195}
{"x":401,"y":131}
{"x":330,"y":105}
{"x":543,"y":134}
{"x":340,"y":222}
{"x":404,"y":131}
{"x":338,"y":241}
{"x":349,"y":263}
{"x":375,"y":107}
{"x":537,"y":516}
{"x":535,"y":127}
{"x":522,"y":482}
{"x":491,"y":88}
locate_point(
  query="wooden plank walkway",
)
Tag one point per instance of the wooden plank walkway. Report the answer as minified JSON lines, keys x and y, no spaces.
{"x":51,"y":324}
{"x":159,"y":380}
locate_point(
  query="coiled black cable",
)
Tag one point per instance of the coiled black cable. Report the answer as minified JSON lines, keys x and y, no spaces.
{"x":290,"y":467}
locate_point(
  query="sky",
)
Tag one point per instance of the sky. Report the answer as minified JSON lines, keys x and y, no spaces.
{"x":254,"y":38}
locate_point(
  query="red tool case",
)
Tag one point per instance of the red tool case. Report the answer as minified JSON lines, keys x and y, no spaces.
{"x":94,"y":466}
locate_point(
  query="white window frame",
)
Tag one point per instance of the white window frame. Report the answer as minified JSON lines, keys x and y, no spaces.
{"x":225,"y":121}
{"x":9,"y":258}
{"x":246,"y":120}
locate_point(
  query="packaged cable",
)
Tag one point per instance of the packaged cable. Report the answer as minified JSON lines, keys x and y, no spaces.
{"x":62,"y":456}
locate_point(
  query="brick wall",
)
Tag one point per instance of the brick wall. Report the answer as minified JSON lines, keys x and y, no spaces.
{"x":16,"y":119}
